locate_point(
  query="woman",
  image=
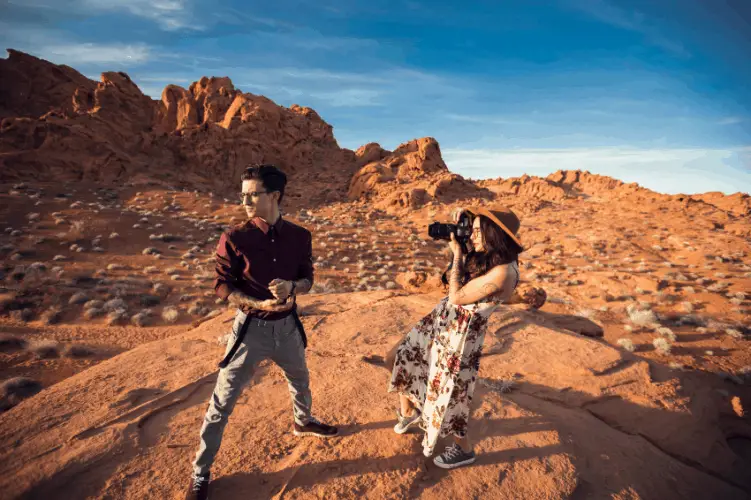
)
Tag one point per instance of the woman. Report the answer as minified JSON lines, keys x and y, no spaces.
{"x":436,"y":364}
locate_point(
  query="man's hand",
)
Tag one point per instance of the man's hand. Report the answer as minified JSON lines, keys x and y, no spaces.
{"x":280,"y":288}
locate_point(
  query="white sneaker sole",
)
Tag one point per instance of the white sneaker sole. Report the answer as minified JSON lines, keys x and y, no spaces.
{"x":403,"y":430}
{"x":315,"y":434}
{"x":454,"y":466}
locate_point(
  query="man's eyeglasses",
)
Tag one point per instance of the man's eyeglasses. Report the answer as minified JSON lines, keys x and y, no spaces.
{"x":250,"y":194}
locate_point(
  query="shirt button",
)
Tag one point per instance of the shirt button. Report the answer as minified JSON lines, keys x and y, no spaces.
{"x":274,"y":260}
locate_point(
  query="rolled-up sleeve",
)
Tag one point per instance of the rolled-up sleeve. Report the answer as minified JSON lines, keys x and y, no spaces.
{"x":228,"y":267}
{"x":305,"y":269}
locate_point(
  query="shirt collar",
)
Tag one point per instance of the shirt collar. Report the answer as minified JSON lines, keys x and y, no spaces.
{"x":265,"y":226}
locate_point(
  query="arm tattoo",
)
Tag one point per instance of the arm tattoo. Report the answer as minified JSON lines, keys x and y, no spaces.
{"x":489,"y":289}
{"x":454,"y":282}
{"x":239,"y":299}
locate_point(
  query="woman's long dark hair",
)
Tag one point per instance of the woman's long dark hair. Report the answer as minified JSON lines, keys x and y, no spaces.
{"x":499,"y":249}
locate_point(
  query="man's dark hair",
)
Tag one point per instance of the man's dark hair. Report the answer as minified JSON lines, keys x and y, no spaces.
{"x":272,"y":178}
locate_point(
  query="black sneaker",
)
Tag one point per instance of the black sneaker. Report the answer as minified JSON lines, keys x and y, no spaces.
{"x":199,"y":488}
{"x":316,"y":428}
{"x":454,"y":457}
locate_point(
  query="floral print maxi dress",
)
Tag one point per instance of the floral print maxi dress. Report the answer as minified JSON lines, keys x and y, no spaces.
{"x":436,"y":365}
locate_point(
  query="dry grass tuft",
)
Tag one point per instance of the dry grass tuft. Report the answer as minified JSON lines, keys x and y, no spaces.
{"x":117,"y":317}
{"x":52,"y":316}
{"x":115,"y":304}
{"x":642,"y":317}
{"x":662,"y":346}
{"x":45,"y":349}
{"x":11,"y":343}
{"x":22,"y":315}
{"x":77,"y":351}
{"x":626,"y":344}
{"x":93,"y":312}
{"x":736,"y":334}
{"x":142,"y":319}
{"x":16,"y":389}
{"x":93,"y":304}
{"x":78,"y":298}
{"x":170,"y":314}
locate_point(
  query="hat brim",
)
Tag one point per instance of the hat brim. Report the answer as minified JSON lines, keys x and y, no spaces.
{"x":487,"y":213}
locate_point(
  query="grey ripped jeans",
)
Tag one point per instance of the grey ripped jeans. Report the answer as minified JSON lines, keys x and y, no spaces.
{"x":279,"y":341}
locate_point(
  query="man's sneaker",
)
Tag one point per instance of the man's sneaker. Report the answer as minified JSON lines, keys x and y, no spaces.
{"x":454,"y":457}
{"x":316,"y":428}
{"x":199,"y":488}
{"x":404,"y":423}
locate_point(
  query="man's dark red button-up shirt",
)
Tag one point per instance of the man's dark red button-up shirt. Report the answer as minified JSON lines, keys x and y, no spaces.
{"x":250,"y":256}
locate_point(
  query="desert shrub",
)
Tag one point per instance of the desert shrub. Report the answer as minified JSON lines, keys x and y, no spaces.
{"x":45,"y":349}
{"x":662,"y":346}
{"x":77,"y":230}
{"x":52,"y":316}
{"x":667,"y":333}
{"x":149,"y":300}
{"x":642,"y":317}
{"x":170,"y":314}
{"x":14,"y":390}
{"x":78,"y":298}
{"x":77,"y":351}
{"x":93,"y":304}
{"x":22,"y":315}
{"x":116,"y":317}
{"x":198,"y":310}
{"x":626,"y":344}
{"x":115,"y":304}
{"x":11,"y":342}
{"x":142,"y":319}
{"x":93,"y":312}
{"x":736,"y":334}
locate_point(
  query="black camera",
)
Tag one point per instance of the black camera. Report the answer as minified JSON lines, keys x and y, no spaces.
{"x":462,"y":230}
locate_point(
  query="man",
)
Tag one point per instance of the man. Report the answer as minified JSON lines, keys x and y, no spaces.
{"x":260,"y":266}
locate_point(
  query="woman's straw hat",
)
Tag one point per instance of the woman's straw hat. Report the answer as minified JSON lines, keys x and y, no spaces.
{"x":503,"y":218}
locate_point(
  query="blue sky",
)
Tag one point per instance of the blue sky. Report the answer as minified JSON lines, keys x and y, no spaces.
{"x":651,"y":92}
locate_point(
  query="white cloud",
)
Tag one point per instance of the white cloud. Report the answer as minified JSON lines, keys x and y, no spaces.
{"x":171,"y":15}
{"x":663,"y":170}
{"x":89,"y":53}
{"x":730,"y":120}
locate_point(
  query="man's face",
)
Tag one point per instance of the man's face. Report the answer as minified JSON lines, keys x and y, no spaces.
{"x":257,"y":202}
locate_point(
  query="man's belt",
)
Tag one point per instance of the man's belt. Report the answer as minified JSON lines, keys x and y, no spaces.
{"x":244,"y":329}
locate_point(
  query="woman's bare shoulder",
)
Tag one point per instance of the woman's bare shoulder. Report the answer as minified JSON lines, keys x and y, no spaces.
{"x":501,"y":270}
